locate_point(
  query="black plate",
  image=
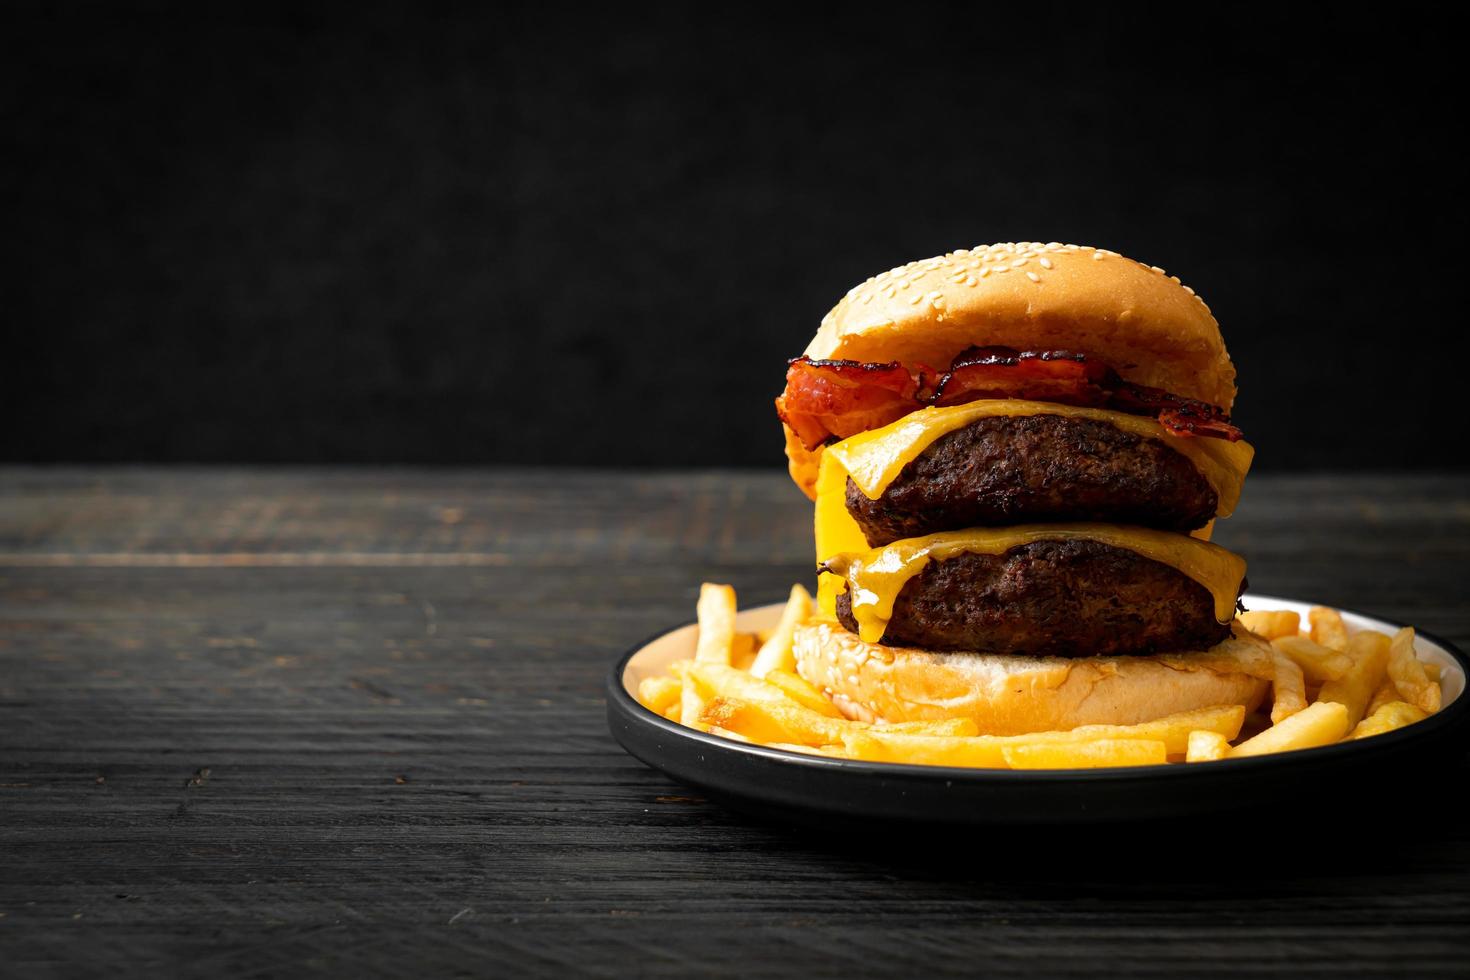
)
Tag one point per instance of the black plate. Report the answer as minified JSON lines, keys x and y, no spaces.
{"x":817,"y":790}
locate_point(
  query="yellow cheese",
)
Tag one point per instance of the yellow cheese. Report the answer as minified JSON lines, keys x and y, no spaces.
{"x":875,"y":577}
{"x":836,"y":531}
{"x":874,"y":459}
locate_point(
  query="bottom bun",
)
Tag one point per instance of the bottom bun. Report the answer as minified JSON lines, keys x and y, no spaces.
{"x":1014,"y":695}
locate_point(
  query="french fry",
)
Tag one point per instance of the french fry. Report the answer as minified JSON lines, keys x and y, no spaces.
{"x":776,"y":721}
{"x":1288,"y":689}
{"x":1173,"y":730}
{"x":1369,"y":653}
{"x":1395,"y":714}
{"x":718,"y":681}
{"x":675,"y":711}
{"x":780,"y":719}
{"x":691,"y":702}
{"x":806,"y":749}
{"x":1386,"y":694}
{"x":1317,"y":724}
{"x":775,"y":653}
{"x":802,"y":691}
{"x":1086,"y":755}
{"x":715,"y":612}
{"x":1430,"y":670}
{"x":886,"y":744}
{"x":945,"y":728}
{"x":1408,"y":673}
{"x":713,"y":681}
{"x":1205,"y":746}
{"x":691,"y":709}
{"x":1272,"y":623}
{"x":742,"y":650}
{"x":726,"y":733}
{"x":1317,"y":662}
{"x":658,"y":693}
{"x":1327,"y":628}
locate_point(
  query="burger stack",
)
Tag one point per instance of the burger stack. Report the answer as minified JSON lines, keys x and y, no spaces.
{"x":1017,"y":454}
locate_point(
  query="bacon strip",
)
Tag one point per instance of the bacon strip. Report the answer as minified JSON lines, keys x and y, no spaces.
{"x":1179,"y":416}
{"x":828,"y":400}
{"x":838,"y":399}
{"x":1003,"y":372}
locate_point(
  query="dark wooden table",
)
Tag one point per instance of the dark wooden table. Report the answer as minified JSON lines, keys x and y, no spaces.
{"x":260,"y":723}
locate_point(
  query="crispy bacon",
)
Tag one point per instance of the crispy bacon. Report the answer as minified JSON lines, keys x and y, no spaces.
{"x":827,"y":400}
{"x":1003,"y":372}
{"x":1179,"y":416}
{"x":837,"y":399}
{"x":1069,"y":378}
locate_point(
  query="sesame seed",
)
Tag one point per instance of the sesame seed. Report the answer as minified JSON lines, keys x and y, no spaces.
{"x":916,"y":299}
{"x":1097,"y":256}
{"x":984,"y":272}
{"x":1157,"y":269}
{"x":890,"y":292}
{"x":1176,"y":279}
{"x":970,"y":280}
{"x":1018,"y":263}
{"x":1033,"y":277}
{"x":1046,"y":263}
{"x":1189,"y":291}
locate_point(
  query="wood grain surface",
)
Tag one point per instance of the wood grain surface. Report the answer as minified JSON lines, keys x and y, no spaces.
{"x":269,"y":723}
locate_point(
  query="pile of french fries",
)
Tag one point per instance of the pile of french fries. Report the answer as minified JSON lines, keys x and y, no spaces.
{"x":1330,"y":685}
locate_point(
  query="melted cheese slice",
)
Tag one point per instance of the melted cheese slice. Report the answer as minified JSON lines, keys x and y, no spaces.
{"x":836,"y":532}
{"x":876,"y":576}
{"x":875,"y":458}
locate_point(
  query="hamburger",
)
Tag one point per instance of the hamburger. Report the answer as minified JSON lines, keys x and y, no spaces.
{"x":1017,"y":453}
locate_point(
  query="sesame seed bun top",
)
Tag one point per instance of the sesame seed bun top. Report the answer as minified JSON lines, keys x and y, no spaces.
{"x":1143,"y":323}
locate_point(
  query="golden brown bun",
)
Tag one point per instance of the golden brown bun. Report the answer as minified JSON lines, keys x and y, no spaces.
{"x":1145,"y":324}
{"x":1016,"y":695}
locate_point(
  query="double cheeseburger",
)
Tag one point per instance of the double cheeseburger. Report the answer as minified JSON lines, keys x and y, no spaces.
{"x":1017,"y":453}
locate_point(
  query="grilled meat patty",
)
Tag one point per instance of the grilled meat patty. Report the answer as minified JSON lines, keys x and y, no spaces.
{"x":1036,"y":469}
{"x":1051,"y":598}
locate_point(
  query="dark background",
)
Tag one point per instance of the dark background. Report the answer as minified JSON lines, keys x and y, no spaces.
{"x":467,"y":235}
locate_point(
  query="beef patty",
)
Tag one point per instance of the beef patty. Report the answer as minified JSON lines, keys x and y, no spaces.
{"x":1036,"y":469}
{"x":1072,"y":598}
